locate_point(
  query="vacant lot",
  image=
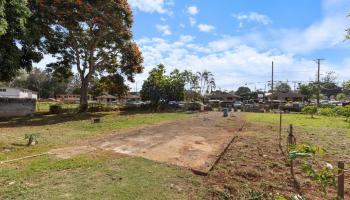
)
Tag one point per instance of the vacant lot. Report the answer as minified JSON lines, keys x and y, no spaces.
{"x":101,"y":174}
{"x":251,"y":168}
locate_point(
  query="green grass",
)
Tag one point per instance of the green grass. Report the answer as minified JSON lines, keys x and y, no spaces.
{"x":65,"y":130}
{"x":44,"y":107}
{"x":299,"y":120}
{"x":97,"y":177}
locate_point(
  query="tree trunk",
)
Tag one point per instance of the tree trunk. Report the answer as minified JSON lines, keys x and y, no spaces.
{"x":84,"y":96}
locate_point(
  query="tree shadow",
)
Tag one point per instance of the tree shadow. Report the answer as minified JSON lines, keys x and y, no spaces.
{"x":41,"y":120}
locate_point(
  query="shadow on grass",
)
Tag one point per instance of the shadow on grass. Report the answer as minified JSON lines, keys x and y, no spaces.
{"x":41,"y":120}
{"x":135,"y":112}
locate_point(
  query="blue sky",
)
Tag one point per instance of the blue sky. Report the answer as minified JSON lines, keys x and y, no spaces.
{"x":238,"y":39}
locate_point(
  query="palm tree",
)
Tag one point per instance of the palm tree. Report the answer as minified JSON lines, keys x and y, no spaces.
{"x":204,"y":78}
{"x":211,"y":85}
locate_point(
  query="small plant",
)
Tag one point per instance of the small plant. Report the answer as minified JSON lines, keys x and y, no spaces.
{"x":311,"y":110}
{"x":325,"y":177}
{"x":32,"y":138}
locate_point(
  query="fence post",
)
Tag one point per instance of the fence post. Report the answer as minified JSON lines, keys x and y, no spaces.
{"x":341,"y":179}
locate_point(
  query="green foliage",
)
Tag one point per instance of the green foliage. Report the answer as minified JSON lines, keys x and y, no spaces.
{"x":32,"y":138}
{"x":309,"y":90}
{"x":161,"y":88}
{"x":242,"y":91}
{"x":303,"y":150}
{"x":330,"y":112}
{"x":55,"y":109}
{"x":311,"y":110}
{"x":325,"y":177}
{"x":341,"y":97}
{"x":93,"y":36}
{"x":19,"y":38}
{"x":283,"y":87}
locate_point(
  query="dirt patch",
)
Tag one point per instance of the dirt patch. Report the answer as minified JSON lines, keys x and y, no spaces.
{"x":68,"y":152}
{"x":253,"y":165}
{"x":193,"y":143}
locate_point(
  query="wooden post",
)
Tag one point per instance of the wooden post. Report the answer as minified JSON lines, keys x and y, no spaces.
{"x":291,"y":137}
{"x":341,"y":179}
{"x":280,"y":135}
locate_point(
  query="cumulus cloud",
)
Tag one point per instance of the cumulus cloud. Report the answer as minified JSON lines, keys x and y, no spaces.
{"x":253,"y":17}
{"x":164,"y":29}
{"x":232,"y":65}
{"x":192,"y":10}
{"x":150,"y":6}
{"x":205,"y":28}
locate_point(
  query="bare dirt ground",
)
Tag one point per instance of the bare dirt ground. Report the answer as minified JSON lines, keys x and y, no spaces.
{"x":253,"y":168}
{"x":194,"y":143}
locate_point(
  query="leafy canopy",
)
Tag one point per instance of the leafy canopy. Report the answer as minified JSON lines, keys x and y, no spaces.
{"x":160,"y":87}
{"x":19,"y":38}
{"x":94,"y":37}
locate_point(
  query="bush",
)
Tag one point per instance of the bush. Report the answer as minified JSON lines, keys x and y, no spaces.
{"x":311,"y":110}
{"x":101,"y":108}
{"x":193,"y":106}
{"x":56,"y":109}
{"x":328,"y":112}
{"x":345,"y":111}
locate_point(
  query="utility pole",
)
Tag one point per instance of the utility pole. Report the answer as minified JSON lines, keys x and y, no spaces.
{"x":318,"y":61}
{"x":272,"y":79}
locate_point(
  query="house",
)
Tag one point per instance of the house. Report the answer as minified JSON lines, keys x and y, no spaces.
{"x":133,"y":96}
{"x":106,"y":98}
{"x":286,"y":96}
{"x":17,"y":93}
{"x":68,"y":98}
{"x":17,"y":102}
{"x":221,"y":96}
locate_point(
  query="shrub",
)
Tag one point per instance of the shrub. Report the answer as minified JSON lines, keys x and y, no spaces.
{"x":193,"y":106}
{"x":345,"y":111}
{"x":55,"y":109}
{"x":311,"y":110}
{"x":327,"y":111}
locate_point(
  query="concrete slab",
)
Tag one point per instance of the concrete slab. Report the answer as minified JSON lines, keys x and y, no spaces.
{"x":194,"y":143}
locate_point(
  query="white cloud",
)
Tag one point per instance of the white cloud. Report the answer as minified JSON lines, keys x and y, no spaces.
{"x":206,"y":28}
{"x":324,"y":34}
{"x":233,"y":65}
{"x":192,"y":10}
{"x":164,"y":29}
{"x":150,"y":6}
{"x":253,"y":17}
{"x":192,"y":21}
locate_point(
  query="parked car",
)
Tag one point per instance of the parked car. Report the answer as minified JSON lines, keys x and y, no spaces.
{"x":237,"y":105}
{"x":134,"y":104}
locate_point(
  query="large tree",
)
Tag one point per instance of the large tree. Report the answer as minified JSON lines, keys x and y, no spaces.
{"x":161,"y":88}
{"x":19,"y":38}
{"x":204,"y":78}
{"x":283,"y":87}
{"x":94,"y":36}
{"x":243,"y":91}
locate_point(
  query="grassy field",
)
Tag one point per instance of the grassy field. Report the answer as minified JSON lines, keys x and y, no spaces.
{"x":106,"y":175}
{"x":300,"y":120}
{"x":100,"y":175}
{"x":96,"y":176}
{"x":68,"y":129}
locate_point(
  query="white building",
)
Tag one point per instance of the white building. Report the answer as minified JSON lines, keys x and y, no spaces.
{"x":17,"y":93}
